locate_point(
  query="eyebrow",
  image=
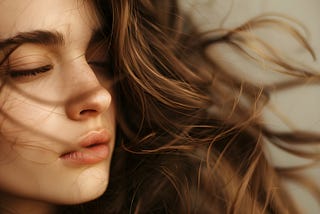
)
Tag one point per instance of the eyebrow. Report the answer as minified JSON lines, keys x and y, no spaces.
{"x":40,"y":37}
{"x":43,"y":37}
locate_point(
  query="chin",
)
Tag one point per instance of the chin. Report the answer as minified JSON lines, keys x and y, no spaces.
{"x":89,"y":185}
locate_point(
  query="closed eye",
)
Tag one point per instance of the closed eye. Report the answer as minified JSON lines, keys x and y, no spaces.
{"x":13,"y":73}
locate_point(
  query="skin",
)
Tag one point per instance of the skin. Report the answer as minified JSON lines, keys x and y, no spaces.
{"x":48,"y":114}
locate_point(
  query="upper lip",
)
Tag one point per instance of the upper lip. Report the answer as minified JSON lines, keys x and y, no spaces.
{"x":95,"y":137}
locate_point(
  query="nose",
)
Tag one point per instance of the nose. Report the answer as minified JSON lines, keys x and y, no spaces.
{"x":88,"y":98}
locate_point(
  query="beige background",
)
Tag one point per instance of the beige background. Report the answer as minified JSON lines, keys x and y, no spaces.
{"x":299,"y":106}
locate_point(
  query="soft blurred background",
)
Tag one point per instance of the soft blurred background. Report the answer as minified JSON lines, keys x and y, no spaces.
{"x":295,"y":109}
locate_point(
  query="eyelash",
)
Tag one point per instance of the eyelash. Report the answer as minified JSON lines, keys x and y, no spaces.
{"x":29,"y":72}
{"x":34,"y":72}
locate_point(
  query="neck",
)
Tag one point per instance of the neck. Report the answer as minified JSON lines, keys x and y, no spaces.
{"x":16,"y":205}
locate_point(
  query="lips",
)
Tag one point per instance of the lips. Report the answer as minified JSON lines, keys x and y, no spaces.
{"x":94,"y":148}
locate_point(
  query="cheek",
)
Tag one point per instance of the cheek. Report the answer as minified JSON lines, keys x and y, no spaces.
{"x":19,"y":112}
{"x":13,"y":115}
{"x":22,"y":133}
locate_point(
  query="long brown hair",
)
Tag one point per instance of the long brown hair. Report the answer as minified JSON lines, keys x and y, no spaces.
{"x":190,"y":132}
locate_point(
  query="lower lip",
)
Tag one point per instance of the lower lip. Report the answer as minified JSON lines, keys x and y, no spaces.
{"x":89,"y":155}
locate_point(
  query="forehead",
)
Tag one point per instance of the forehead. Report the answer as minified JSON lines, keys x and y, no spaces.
{"x":60,"y":15}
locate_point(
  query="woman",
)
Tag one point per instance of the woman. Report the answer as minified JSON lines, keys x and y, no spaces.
{"x":189,"y":135}
{"x":57,"y":110}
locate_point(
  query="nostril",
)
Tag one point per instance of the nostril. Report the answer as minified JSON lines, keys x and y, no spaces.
{"x":88,"y":103}
{"x":88,"y":111}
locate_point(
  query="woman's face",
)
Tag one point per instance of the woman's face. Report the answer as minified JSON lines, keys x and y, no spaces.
{"x":57,"y":116}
